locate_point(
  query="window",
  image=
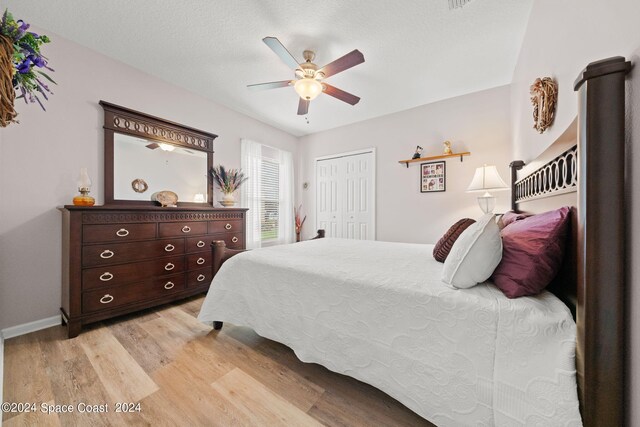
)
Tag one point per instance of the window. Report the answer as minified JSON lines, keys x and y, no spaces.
{"x":268,"y":193}
{"x":269,"y":200}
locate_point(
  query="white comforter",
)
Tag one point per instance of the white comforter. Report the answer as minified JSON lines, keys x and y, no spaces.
{"x":378,"y":312}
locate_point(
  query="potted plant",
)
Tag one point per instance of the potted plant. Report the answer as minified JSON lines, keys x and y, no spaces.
{"x":228,"y":181}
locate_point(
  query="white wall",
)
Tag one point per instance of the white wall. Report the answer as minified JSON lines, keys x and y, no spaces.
{"x":561,"y":39}
{"x":477,"y":122}
{"x":40,"y":159}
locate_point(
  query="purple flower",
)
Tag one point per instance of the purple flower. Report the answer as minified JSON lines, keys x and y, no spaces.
{"x":37,"y":60}
{"x":23,"y":26}
{"x":24,"y":66}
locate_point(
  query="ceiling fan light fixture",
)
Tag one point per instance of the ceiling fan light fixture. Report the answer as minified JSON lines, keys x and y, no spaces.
{"x":308,"y":88}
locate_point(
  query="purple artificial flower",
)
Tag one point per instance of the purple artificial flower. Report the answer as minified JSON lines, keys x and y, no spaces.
{"x":37,"y":60}
{"x":43,"y":86}
{"x":24,"y":66}
{"x":3,"y":24}
{"x":34,"y":34}
{"x":23,"y":26}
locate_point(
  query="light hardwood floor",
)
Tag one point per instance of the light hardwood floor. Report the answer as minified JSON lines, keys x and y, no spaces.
{"x":183,"y":373}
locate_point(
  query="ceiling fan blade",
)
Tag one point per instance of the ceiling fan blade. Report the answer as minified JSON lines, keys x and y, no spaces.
{"x":349,"y":60}
{"x":152,"y":146}
{"x":340,"y":94}
{"x":270,"y":85}
{"x":303,"y":107}
{"x":281,"y":51}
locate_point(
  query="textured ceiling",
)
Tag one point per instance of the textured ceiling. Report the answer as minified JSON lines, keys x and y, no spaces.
{"x":416,"y":51}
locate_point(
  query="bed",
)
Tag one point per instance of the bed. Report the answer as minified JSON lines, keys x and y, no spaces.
{"x":378,"y":312}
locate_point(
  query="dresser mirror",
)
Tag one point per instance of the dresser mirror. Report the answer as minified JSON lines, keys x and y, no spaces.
{"x":145,"y":155}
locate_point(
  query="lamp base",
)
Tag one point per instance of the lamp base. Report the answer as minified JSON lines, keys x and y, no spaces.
{"x":487,"y":203}
{"x":84,"y":199}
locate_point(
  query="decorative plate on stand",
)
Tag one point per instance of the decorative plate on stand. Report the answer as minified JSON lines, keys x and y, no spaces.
{"x":165,"y":198}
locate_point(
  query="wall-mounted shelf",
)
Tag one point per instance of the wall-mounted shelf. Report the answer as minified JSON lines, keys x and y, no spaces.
{"x":443,"y":156}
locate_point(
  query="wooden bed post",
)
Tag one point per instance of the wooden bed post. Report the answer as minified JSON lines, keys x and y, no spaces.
{"x":601,"y":240}
{"x":515,"y":166}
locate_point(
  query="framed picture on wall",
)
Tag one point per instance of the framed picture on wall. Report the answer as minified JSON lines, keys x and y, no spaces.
{"x":433,"y":177}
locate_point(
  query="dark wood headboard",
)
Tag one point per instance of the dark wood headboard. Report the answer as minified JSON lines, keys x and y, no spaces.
{"x":584,"y":169}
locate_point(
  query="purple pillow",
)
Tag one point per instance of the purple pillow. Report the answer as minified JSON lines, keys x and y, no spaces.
{"x":532,"y":253}
{"x":509,"y":217}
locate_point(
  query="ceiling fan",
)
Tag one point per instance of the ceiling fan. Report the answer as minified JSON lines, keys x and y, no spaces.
{"x":309,"y":78}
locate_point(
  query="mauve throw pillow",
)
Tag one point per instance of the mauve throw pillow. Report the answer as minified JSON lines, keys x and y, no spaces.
{"x":532,"y":253}
{"x":509,"y":217}
{"x":443,"y":247}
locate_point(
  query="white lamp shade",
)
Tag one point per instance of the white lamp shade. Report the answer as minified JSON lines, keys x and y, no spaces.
{"x":487,"y":178}
{"x":308,"y":88}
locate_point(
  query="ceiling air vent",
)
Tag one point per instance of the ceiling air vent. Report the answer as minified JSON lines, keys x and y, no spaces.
{"x":456,"y":4}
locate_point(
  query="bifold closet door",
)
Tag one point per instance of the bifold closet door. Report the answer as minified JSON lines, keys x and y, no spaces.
{"x":345,"y":196}
{"x":328,"y":200}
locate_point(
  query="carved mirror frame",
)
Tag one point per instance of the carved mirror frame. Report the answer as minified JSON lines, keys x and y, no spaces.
{"x":123,"y":120}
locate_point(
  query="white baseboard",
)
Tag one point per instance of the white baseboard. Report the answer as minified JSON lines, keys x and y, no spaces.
{"x":26,"y":328}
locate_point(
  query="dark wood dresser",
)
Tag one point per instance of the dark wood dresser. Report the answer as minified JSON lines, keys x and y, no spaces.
{"x":118,"y":260}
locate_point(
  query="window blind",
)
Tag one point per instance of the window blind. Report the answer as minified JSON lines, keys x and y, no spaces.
{"x":269,"y":199}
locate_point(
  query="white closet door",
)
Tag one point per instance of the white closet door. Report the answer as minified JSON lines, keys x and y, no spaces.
{"x":358,"y":197}
{"x":345,"y":195}
{"x":328,"y":200}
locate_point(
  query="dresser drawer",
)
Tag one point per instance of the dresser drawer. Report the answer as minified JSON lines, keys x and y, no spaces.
{"x":199,"y":260}
{"x":128,"y":273}
{"x":117,"y":232}
{"x":231,"y":240}
{"x":115,"y":296}
{"x":234,"y":225}
{"x":234,"y":240}
{"x":186,"y":228}
{"x":118,"y":253}
{"x":199,"y":277}
{"x":199,"y":244}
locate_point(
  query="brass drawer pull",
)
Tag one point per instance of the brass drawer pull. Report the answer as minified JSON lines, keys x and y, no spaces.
{"x":201,"y":277}
{"x":169,"y":266}
{"x":169,"y":285}
{"x":186,"y":229}
{"x":106,"y":276}
{"x":234,"y":239}
{"x":106,"y":254}
{"x":122,"y":232}
{"x":200,"y":244}
{"x":228,"y":226}
{"x":169,"y":247}
{"x":200,"y":261}
{"x":106,"y":299}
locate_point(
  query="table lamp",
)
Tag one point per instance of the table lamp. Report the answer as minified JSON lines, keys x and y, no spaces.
{"x":485,"y":179}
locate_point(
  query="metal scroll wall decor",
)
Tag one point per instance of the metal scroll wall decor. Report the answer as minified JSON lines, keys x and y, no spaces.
{"x":544,"y":96}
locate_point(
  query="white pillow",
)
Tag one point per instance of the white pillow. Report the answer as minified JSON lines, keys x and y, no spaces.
{"x":474,"y":255}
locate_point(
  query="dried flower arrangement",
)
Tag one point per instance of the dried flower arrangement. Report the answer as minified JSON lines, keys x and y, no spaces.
{"x":21,"y":64}
{"x":544,"y":96}
{"x":297,"y":213}
{"x":227,"y":180}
